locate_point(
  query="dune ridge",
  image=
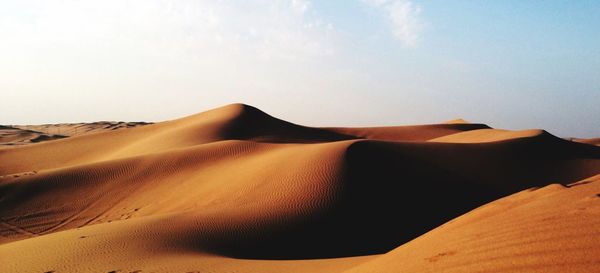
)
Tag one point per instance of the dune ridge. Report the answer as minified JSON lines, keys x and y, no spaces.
{"x":408,"y":132}
{"x":491,"y":135}
{"x":235,"y":189}
{"x":593,"y":141}
{"x":10,"y":136}
{"x":28,"y":134}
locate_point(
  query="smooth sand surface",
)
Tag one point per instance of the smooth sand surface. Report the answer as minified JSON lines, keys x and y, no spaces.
{"x":236,"y":190}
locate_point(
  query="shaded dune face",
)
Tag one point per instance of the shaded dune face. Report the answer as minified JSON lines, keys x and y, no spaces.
{"x":409,"y":132}
{"x":250,"y":123}
{"x":548,"y":229}
{"x":235,"y":182}
{"x":370,"y":209}
{"x":384,"y":197}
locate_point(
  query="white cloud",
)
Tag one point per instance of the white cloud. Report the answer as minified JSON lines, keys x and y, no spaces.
{"x":187,"y":29}
{"x":222,"y":51}
{"x":404,"y":17}
{"x":300,"y":6}
{"x":407,"y":24}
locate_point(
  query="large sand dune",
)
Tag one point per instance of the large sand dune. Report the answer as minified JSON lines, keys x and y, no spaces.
{"x":236,"y":190}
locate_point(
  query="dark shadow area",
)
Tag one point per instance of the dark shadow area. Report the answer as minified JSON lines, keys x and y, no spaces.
{"x":254,"y":124}
{"x":391,"y":193}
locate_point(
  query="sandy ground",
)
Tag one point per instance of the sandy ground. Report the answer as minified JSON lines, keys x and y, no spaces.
{"x":12,"y":135}
{"x":236,"y":190}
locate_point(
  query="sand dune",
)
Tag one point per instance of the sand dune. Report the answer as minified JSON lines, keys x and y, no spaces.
{"x":76,"y":129}
{"x":456,"y":121}
{"x":490,"y":135}
{"x":550,"y":229}
{"x":409,"y":132}
{"x":12,"y":136}
{"x":230,"y":122}
{"x":29,"y":134}
{"x":236,"y":190}
{"x":593,"y":141}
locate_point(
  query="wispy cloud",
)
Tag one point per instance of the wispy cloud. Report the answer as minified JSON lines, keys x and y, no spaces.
{"x":405,"y":18}
{"x":201,"y":29}
{"x":300,"y":6}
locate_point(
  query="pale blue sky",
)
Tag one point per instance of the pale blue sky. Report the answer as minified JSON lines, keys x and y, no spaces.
{"x":510,"y":64}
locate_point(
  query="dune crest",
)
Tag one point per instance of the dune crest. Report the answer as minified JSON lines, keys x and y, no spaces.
{"x":456,"y":121}
{"x":490,"y":135}
{"x":234,"y":189}
{"x":592,"y":141}
{"x":408,"y":132}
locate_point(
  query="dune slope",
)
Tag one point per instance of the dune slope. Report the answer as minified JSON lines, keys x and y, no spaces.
{"x":549,"y":229}
{"x":234,"y":189}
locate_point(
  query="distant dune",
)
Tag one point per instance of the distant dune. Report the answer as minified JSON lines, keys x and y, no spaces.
{"x":491,"y":135}
{"x":593,"y":141}
{"x":236,"y":190}
{"x":10,"y":136}
{"x":28,"y":134}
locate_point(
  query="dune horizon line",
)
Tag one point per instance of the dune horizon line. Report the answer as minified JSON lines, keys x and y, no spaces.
{"x":234,"y":189}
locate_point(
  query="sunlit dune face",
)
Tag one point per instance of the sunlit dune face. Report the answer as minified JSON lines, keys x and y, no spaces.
{"x":235,"y":189}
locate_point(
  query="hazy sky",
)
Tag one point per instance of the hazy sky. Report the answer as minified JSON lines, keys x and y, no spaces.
{"x":510,"y":64}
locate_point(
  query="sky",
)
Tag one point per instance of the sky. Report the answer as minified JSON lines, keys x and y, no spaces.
{"x":510,"y":64}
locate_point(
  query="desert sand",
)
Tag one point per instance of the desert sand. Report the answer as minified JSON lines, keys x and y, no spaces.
{"x":236,"y":190}
{"x":28,"y":134}
{"x":593,"y":141}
